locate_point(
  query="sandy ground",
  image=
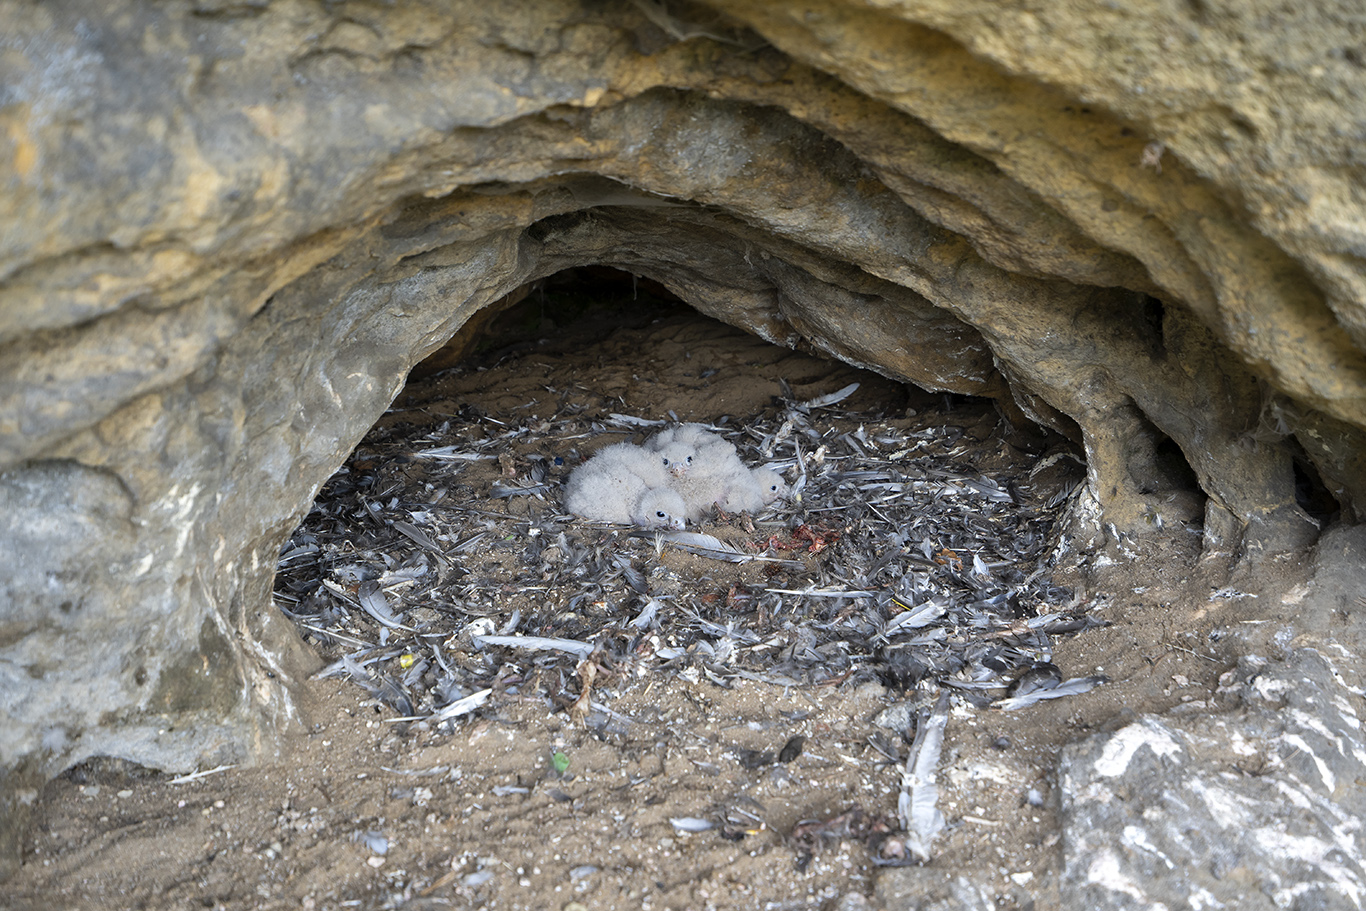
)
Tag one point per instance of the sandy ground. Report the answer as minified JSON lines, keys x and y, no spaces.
{"x":367,"y":813}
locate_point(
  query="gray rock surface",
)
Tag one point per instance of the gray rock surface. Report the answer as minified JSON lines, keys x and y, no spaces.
{"x":1260,"y":809}
{"x":1257,"y":808}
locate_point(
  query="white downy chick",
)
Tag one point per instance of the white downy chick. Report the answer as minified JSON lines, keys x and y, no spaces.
{"x":678,"y":458}
{"x":626,"y":484}
{"x":753,"y":491}
{"x":771,"y":485}
{"x":695,"y":435}
{"x":660,"y":507}
{"x":603,"y":492}
{"x":717,"y":477}
{"x":655,"y":466}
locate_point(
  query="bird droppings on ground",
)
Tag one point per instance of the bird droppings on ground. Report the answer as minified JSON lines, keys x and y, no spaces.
{"x":523,"y":709}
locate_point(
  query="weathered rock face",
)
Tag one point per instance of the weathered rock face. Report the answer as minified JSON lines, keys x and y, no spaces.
{"x":1253,"y":809}
{"x":230,"y":229}
{"x":1258,"y":808}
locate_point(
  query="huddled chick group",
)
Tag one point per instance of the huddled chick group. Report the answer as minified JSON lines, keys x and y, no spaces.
{"x":680,"y":473}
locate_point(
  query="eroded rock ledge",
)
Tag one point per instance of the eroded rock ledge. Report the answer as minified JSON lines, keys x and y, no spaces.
{"x":230,"y":229}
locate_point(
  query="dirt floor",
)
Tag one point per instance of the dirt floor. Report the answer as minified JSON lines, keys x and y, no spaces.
{"x":656,"y":782}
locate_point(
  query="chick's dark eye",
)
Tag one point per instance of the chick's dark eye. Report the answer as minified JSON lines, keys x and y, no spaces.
{"x":659,"y":514}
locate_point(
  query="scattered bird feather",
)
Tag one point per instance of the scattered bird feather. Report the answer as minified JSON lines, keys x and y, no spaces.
{"x":646,"y":618}
{"x":1073,"y":687}
{"x":375,"y":603}
{"x":452,"y":454}
{"x":500,"y":491}
{"x":691,"y":823}
{"x":462,"y":706}
{"x":375,"y":842}
{"x":917,"y":805}
{"x":630,"y":420}
{"x":913,"y":618}
{"x":823,"y":401}
{"x":417,"y":535}
{"x":537,"y":644}
{"x":402,"y":575}
{"x":705,"y":545}
{"x":392,"y":695}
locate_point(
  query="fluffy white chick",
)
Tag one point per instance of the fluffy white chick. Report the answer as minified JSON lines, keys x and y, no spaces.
{"x":716,"y":477}
{"x":753,"y":492}
{"x":654,"y":465}
{"x":771,"y":485}
{"x":694,"y":435}
{"x":627,"y":485}
{"x":660,"y":507}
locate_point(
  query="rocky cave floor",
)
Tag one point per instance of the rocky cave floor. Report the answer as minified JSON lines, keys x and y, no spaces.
{"x":725,"y":737}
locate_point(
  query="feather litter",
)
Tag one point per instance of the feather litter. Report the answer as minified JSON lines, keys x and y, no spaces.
{"x":899,"y":558}
{"x":917,"y":806}
{"x":537,"y":644}
{"x":374,"y":602}
{"x":833,"y":398}
{"x":705,"y":545}
{"x":1072,"y":687}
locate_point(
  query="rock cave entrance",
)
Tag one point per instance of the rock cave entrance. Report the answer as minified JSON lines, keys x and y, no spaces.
{"x":1174,"y":430}
{"x":441,"y":548}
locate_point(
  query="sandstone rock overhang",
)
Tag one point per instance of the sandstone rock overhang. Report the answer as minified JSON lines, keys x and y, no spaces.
{"x":230,"y":229}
